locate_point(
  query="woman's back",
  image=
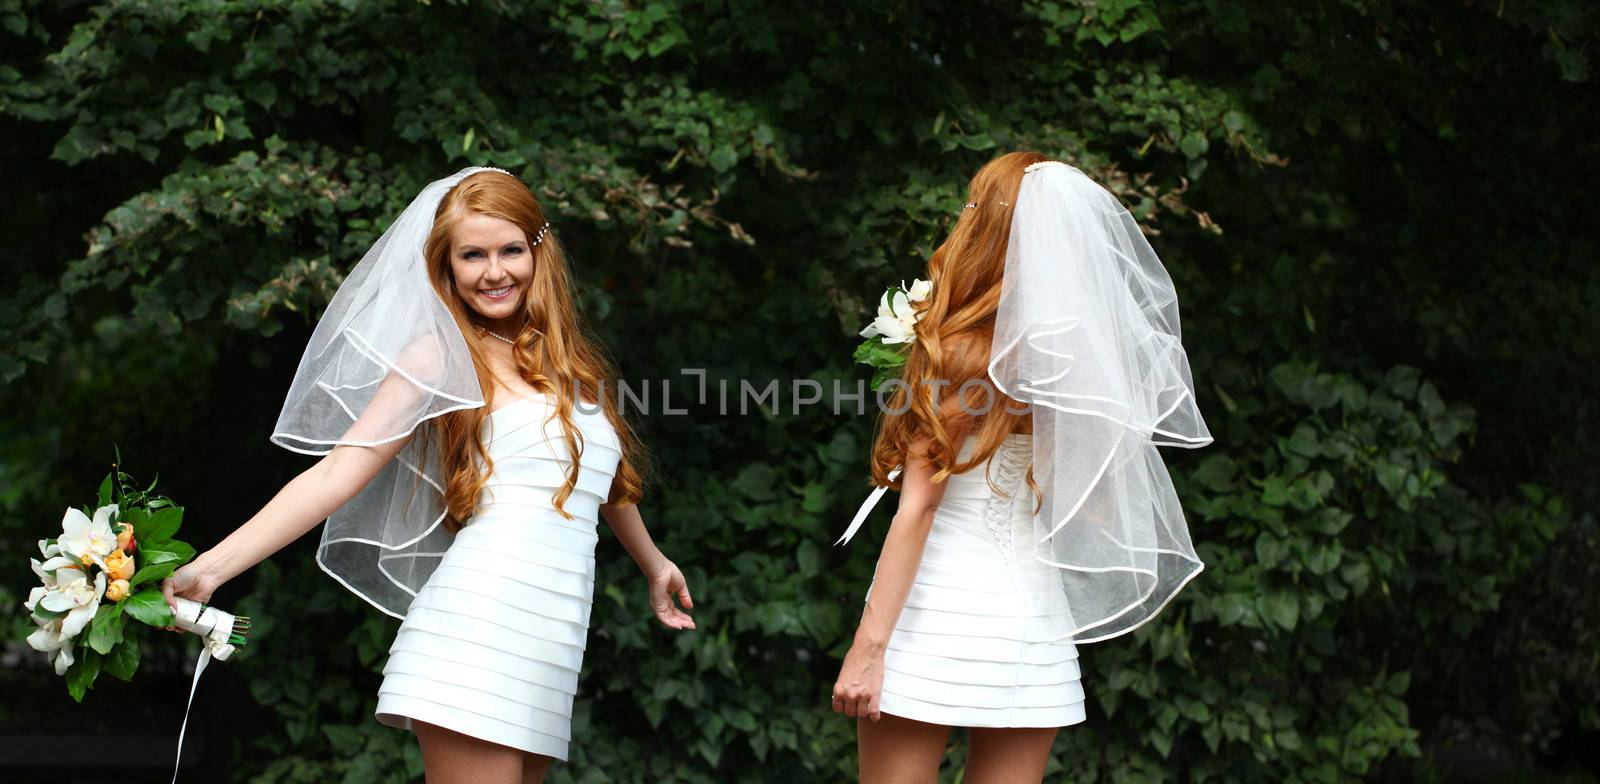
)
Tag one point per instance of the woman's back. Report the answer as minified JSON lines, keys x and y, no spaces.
{"x":973,"y":646}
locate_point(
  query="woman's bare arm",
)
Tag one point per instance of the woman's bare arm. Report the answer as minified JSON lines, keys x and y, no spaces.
{"x":306,"y":500}
{"x":902,"y":554}
{"x":860,"y":685}
{"x":665,"y":580}
{"x":628,"y":525}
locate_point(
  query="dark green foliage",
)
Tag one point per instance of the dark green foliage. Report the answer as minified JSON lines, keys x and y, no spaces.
{"x":1379,"y":216}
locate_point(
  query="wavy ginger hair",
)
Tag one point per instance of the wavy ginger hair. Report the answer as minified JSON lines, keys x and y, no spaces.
{"x":552,"y":353}
{"x":954,"y":336}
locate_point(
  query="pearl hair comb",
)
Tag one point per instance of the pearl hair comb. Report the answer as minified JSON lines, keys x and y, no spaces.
{"x":1031,"y":168}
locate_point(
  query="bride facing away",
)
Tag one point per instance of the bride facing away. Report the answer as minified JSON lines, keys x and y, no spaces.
{"x":1035,"y":513}
{"x":467,"y":452}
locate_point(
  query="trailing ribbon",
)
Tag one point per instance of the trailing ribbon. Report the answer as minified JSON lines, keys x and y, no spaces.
{"x":866,"y":508}
{"x":199,"y":667}
{"x":215,"y":627}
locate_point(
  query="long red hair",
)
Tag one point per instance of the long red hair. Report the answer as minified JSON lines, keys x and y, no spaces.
{"x":552,"y":353}
{"x":954,"y":336}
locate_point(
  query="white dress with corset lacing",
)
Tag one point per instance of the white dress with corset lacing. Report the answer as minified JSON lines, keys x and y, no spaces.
{"x":492,"y":645}
{"x":984,"y":640}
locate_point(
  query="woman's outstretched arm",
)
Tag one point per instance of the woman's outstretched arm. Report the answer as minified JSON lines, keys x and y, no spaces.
{"x":306,"y":500}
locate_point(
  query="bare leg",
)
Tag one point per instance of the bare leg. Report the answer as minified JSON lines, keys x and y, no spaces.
{"x":534,"y":768}
{"x":1003,"y":756}
{"x":900,"y":751}
{"x":449,"y":757}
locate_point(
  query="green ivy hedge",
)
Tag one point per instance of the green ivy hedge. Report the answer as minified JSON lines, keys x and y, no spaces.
{"x":1376,"y":214}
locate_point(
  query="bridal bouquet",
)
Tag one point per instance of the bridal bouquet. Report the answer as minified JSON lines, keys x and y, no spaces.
{"x":107,"y":566}
{"x":892,"y":332}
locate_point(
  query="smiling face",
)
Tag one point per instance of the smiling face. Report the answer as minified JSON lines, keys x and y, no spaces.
{"x":492,"y":265}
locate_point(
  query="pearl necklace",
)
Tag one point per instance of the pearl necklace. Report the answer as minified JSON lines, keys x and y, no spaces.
{"x":497,"y":336}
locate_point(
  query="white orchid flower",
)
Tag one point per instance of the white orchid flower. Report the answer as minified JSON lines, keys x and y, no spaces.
{"x":896,"y":322}
{"x":49,"y":549}
{"x":85,"y":540}
{"x":49,"y":639}
{"x":919,"y":291}
{"x":49,"y":575}
{"x":48,"y":571}
{"x":78,"y":598}
{"x":33,"y":598}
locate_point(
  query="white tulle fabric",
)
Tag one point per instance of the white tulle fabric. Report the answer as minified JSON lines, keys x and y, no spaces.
{"x":1087,"y":334}
{"x":386,"y":357}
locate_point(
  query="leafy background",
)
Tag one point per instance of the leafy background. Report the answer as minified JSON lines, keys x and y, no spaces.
{"x":1379,"y":215}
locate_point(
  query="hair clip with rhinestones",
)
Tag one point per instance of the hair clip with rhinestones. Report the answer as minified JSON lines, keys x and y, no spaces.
{"x":538,"y":238}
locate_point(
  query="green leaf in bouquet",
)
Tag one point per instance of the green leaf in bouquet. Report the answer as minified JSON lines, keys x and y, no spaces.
{"x":150,"y":573}
{"x":123,"y":660}
{"x":105,"y":631}
{"x":149,"y":607}
{"x":134,"y":516}
{"x":159,"y":526}
{"x":81,"y":675}
{"x":170,"y":551}
{"x":105,"y":490}
{"x":49,"y":615}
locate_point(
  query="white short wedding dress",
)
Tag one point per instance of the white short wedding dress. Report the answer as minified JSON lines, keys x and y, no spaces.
{"x":492,"y":645}
{"x":983,"y":640}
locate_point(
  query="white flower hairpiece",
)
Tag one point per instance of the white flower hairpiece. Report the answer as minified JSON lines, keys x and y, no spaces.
{"x":897,"y":320}
{"x":1033,"y":167}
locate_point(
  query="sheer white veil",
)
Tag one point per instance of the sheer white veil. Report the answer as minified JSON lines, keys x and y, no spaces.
{"x":386,"y":357}
{"x":1087,"y":334}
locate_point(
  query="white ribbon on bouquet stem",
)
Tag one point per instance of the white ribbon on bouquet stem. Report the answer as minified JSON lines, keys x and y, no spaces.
{"x":214,"y":627}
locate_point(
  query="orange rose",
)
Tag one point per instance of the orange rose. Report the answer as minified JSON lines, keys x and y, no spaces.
{"x":119,"y":565}
{"x":125,"y":537}
{"x":117,"y":590}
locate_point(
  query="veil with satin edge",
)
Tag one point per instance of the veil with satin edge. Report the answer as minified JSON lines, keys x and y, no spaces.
{"x":386,"y":357}
{"x":1087,"y":334}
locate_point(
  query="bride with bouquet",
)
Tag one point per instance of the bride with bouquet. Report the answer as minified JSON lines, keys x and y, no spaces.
{"x":467,"y":453}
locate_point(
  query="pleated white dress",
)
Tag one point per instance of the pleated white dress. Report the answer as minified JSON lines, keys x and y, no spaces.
{"x":976,"y":645}
{"x":492,"y":645}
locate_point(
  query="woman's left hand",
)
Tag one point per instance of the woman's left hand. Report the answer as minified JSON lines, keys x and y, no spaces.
{"x":666,"y":583}
{"x":860,"y":685}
